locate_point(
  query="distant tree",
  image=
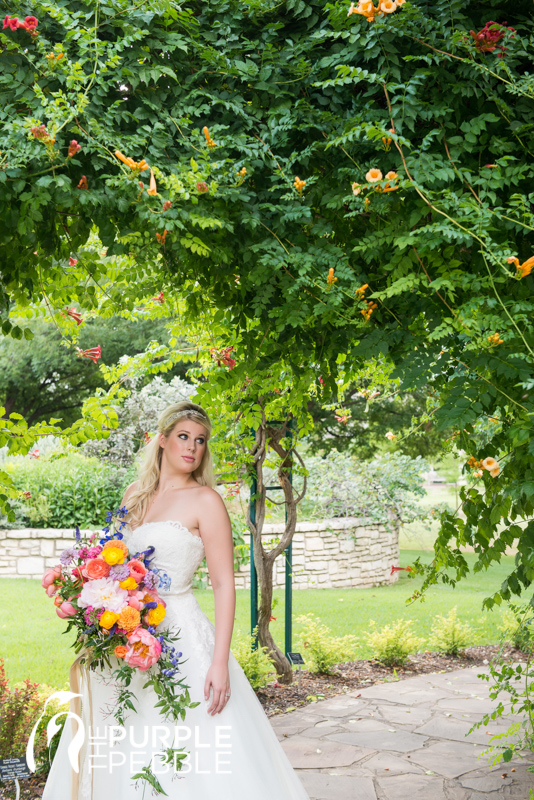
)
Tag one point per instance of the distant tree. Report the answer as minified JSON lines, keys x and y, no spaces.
{"x":42,"y":378}
{"x":364,"y":432}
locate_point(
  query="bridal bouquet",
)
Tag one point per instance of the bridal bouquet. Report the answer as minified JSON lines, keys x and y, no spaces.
{"x":111,"y":597}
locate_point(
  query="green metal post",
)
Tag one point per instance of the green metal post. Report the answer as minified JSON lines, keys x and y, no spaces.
{"x":289,"y":577}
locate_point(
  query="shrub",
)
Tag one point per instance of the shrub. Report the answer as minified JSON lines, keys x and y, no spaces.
{"x":449,"y":635}
{"x":324,"y":651}
{"x":68,"y":491}
{"x":383,"y":490}
{"x":517,"y":624}
{"x":393,"y":644}
{"x":20,"y":708}
{"x":255,"y":663}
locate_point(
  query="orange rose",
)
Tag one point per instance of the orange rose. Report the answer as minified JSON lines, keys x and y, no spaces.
{"x":96,"y":568}
{"x":121,"y":650}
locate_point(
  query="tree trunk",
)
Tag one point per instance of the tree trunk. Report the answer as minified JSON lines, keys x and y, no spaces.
{"x":267,"y":436}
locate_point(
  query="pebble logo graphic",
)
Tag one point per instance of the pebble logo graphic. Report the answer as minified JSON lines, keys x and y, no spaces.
{"x":52,"y":728}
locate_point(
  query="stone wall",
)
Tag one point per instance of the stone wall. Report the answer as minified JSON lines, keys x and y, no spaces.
{"x":330,"y":554}
{"x":27,"y":553}
{"x":333,"y":554}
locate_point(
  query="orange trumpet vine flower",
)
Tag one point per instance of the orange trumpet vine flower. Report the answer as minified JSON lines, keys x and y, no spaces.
{"x":400,"y":569}
{"x":330,"y":279}
{"x":141,"y":165}
{"x":522,"y":269}
{"x":153,"y":189}
{"x":93,"y":353}
{"x":209,"y":140}
{"x":75,"y":315}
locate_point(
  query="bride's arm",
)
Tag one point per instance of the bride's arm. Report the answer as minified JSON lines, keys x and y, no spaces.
{"x":216,"y":531}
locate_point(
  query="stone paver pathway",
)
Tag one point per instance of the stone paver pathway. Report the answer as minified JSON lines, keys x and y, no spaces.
{"x":402,"y":741}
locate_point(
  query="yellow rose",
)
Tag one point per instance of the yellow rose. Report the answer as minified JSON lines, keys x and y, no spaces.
{"x":112,"y":555}
{"x":108,"y":619}
{"x":128,"y":583}
{"x":156,"y":615}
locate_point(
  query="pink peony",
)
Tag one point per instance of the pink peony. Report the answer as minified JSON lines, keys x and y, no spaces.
{"x":96,"y":568}
{"x":103,"y":593}
{"x":137,"y":570}
{"x":135,"y":599}
{"x":47,"y":582}
{"x":143,"y":651}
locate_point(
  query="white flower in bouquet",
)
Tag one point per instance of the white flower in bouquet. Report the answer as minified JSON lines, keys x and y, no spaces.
{"x":103,"y":593}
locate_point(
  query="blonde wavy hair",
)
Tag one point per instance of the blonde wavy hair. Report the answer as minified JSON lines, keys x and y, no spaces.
{"x":138,"y":501}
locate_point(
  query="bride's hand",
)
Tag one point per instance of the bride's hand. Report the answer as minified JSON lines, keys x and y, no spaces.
{"x":217,"y":678}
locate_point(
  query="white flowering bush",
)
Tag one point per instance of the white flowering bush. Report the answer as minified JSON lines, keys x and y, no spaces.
{"x":384,"y":490}
{"x":138,"y":416}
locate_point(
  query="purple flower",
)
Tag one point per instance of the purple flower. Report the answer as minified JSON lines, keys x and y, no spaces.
{"x":119,"y":572}
{"x":150,"y":580}
{"x":68,"y":556}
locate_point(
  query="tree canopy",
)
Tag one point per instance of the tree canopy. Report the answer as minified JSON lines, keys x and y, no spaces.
{"x":335,"y":186}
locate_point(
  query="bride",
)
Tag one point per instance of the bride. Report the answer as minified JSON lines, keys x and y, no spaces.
{"x":232,"y":749}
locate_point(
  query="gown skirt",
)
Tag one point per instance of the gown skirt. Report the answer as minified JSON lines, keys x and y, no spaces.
{"x":234,"y":755}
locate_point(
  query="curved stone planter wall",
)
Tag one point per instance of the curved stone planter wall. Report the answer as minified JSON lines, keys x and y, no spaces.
{"x":334,"y":553}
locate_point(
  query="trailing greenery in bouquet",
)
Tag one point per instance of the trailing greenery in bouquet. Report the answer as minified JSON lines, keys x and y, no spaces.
{"x":111,"y":597}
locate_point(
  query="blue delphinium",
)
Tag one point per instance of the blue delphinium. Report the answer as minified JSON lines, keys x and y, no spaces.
{"x":119,"y":513}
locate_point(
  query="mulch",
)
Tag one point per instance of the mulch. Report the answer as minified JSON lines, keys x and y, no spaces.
{"x":278,"y":698}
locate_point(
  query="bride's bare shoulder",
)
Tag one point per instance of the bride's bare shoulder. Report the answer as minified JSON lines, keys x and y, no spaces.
{"x":209,"y":495}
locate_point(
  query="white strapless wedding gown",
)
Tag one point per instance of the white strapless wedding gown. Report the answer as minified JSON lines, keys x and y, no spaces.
{"x":234,"y":755}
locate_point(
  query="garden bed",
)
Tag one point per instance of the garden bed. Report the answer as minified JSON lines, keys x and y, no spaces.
{"x":277,"y":698}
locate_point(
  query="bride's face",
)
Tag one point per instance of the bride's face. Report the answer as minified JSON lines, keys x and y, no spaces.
{"x":184,"y":448}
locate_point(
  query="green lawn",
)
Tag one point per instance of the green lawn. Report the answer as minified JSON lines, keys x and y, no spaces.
{"x":419,"y":536}
{"x":32,"y":645}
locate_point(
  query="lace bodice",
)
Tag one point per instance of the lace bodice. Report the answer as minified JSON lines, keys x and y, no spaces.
{"x":177,"y":555}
